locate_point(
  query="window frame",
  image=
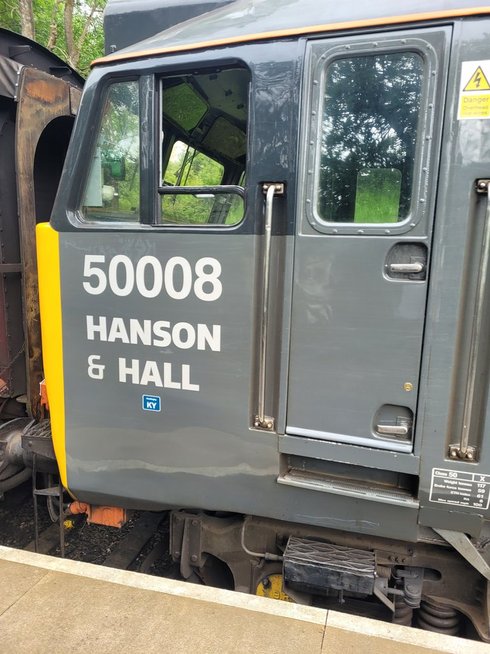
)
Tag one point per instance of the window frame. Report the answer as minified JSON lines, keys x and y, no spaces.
{"x":321,"y":56}
{"x":87,"y":130}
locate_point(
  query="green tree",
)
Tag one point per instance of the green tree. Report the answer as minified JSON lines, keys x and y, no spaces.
{"x":370,"y":114}
{"x":72,"y":29}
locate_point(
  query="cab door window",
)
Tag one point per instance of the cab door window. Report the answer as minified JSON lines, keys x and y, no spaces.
{"x":368,"y":137}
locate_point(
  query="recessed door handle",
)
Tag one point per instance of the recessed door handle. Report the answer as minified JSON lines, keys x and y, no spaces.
{"x":392,"y":430}
{"x":410,"y":268}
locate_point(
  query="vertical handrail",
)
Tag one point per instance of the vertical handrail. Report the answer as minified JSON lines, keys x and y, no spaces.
{"x":465,"y":450}
{"x":261,"y":420}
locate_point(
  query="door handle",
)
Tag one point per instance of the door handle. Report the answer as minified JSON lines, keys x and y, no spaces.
{"x":409,"y":268}
{"x":392,"y":430}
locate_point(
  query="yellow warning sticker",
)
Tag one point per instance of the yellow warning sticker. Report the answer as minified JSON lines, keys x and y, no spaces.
{"x":474,"y":91}
{"x":475,"y":106}
{"x":478,"y":81}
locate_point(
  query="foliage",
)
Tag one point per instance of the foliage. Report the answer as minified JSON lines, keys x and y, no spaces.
{"x":10,"y":15}
{"x":188,"y":167}
{"x":114,"y":188}
{"x":119,"y":142}
{"x":71,"y":29}
{"x":378,"y":195}
{"x":370,"y":114}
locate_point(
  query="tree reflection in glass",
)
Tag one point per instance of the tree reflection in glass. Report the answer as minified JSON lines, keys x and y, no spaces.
{"x":368,"y":137}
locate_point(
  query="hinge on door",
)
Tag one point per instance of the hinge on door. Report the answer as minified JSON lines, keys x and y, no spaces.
{"x":481,"y":186}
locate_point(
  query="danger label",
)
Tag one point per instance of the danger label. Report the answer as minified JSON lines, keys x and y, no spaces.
{"x":460,"y":488}
{"x":478,"y":81}
{"x":474,"y":90}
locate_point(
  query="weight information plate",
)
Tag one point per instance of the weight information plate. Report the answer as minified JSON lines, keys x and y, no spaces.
{"x":462,"y":488}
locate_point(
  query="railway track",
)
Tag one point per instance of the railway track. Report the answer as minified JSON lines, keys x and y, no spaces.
{"x":141,"y":545}
{"x":123,"y":553}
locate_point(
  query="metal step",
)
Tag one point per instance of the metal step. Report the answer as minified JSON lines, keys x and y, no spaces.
{"x":326,"y":484}
{"x":317,"y":566}
{"x":37,"y":439}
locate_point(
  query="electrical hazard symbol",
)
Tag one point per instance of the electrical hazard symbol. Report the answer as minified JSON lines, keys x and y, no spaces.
{"x":474,"y":91}
{"x":478,"y":81}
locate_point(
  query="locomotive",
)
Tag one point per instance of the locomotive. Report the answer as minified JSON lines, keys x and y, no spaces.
{"x":265,"y":301}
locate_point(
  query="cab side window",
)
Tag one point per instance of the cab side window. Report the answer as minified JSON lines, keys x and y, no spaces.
{"x":112,"y":191}
{"x":204,"y":148}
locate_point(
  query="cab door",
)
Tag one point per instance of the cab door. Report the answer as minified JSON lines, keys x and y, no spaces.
{"x":371,"y":132}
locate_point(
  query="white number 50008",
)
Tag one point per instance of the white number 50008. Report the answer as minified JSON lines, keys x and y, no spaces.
{"x":176,"y":278}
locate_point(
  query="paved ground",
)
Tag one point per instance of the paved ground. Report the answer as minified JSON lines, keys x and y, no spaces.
{"x":51,"y":605}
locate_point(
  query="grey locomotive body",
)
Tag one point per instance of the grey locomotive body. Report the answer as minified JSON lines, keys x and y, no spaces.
{"x":265,"y":301}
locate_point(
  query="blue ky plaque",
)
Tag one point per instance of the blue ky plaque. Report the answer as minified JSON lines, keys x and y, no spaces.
{"x":151,"y":403}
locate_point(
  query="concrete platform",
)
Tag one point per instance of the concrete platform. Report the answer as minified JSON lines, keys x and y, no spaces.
{"x":51,"y":605}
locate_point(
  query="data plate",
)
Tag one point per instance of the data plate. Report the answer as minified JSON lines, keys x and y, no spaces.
{"x":461,"y":488}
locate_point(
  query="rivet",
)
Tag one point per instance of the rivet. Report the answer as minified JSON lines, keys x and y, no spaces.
{"x":408,"y":386}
